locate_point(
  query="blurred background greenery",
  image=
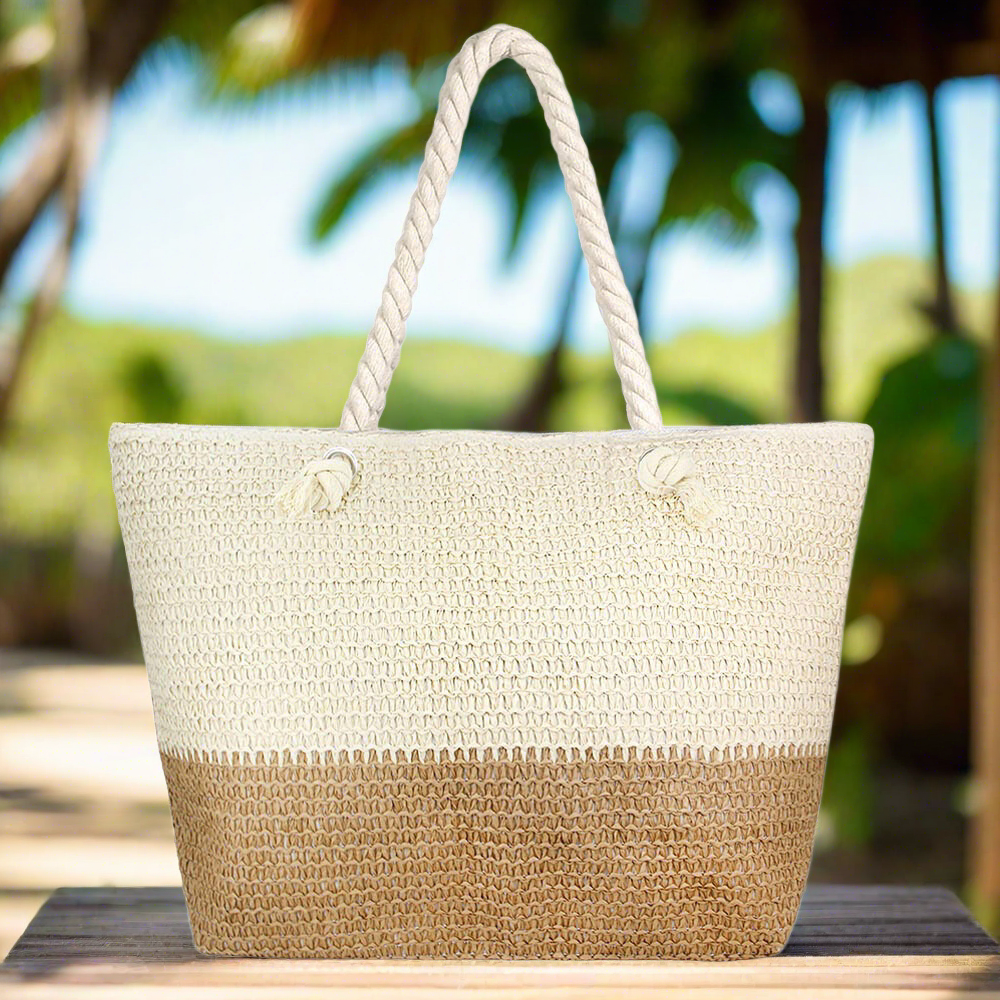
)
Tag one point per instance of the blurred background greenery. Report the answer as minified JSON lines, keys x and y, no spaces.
{"x":888,"y":340}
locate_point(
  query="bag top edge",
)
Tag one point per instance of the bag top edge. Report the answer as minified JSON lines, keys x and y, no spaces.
{"x":121,"y":432}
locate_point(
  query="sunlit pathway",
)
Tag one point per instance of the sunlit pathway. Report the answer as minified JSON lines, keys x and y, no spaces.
{"x":82,"y":798}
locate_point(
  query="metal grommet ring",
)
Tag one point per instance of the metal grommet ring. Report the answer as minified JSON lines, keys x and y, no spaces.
{"x":346,"y":453}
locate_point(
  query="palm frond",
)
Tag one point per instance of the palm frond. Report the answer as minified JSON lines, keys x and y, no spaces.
{"x":523,"y":163}
{"x":393,"y":152}
{"x":506,"y":136}
{"x":719,"y":141}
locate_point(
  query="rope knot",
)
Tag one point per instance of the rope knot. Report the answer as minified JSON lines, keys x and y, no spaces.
{"x":665,"y":472}
{"x":320,"y":486}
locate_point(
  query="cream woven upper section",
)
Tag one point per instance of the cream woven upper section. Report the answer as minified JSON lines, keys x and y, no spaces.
{"x":487,"y":590}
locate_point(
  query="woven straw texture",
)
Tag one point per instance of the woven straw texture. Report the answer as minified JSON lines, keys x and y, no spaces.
{"x":493,"y":856}
{"x":484,"y":594}
{"x":470,"y":694}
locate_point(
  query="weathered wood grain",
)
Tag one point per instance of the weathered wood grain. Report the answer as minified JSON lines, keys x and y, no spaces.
{"x":866,"y":942}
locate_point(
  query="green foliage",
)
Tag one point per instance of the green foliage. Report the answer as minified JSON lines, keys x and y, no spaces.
{"x":26,"y":43}
{"x":722,"y":142}
{"x":848,"y":789}
{"x":246,"y":45}
{"x":19,"y":101}
{"x":209,"y":26}
{"x":721,"y":146}
{"x":710,"y":407}
{"x":626,"y":65}
{"x":54,"y":476}
{"x":926,"y":423}
{"x":506,"y":138}
{"x":154,"y":389}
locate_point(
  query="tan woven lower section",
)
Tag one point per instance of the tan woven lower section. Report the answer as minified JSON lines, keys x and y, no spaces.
{"x":614,"y":855}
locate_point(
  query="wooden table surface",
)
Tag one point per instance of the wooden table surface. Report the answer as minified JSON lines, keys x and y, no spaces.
{"x":858,"y":942}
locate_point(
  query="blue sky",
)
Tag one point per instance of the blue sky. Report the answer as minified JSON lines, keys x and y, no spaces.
{"x":198,"y":217}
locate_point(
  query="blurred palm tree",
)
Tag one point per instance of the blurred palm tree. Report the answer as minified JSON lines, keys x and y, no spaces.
{"x":61,"y":60}
{"x":62,"y":66}
{"x":941,"y":309}
{"x":61,"y":63}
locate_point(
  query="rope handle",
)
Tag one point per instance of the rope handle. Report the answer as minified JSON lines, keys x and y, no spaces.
{"x":366,"y":398}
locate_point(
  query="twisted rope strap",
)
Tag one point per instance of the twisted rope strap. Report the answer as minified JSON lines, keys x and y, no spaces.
{"x":366,"y":399}
{"x":323,"y":484}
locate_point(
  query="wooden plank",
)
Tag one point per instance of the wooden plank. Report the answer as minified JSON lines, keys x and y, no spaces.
{"x":867,"y":942}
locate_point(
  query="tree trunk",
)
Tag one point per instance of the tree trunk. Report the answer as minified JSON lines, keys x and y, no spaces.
{"x":941,"y":310}
{"x":89,"y":125}
{"x":92,"y":61}
{"x":29,"y":193}
{"x":532,"y":411}
{"x":114,"y":47}
{"x":984,"y":853}
{"x":811,"y":181}
{"x":637,"y":286}
{"x":76,"y":108}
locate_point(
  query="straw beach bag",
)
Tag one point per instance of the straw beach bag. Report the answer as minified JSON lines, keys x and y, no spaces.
{"x":461,"y":694}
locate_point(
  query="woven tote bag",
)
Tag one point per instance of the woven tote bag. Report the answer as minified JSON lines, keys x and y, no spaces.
{"x":460,"y":694}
